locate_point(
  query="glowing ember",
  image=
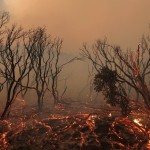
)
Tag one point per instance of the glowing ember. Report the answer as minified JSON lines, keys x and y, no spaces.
{"x":137,"y":121}
{"x":148,"y":144}
{"x":80,"y":130}
{"x":110,"y":115}
{"x":82,"y":139}
{"x":4,"y":140}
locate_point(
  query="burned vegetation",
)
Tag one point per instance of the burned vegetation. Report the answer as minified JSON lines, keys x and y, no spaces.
{"x":30,"y":61}
{"x":75,"y":131}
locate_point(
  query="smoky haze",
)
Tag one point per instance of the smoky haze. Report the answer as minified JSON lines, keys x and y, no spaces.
{"x":78,"y":21}
{"x":122,"y":22}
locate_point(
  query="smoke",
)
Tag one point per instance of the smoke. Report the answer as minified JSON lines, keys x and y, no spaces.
{"x":2,"y":5}
{"x":78,"y":21}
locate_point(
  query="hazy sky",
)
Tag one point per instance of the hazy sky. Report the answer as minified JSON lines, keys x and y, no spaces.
{"x":78,"y":21}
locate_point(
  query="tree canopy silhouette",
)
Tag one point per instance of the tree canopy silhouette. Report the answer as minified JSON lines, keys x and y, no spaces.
{"x":106,"y":81}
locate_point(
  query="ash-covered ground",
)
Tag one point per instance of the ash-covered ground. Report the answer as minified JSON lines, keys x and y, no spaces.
{"x":76,"y":127}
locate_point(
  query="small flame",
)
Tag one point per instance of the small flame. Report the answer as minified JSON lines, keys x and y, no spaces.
{"x":137,"y":121}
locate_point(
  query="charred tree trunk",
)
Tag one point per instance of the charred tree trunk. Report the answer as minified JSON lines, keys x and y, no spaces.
{"x":54,"y":91}
{"x":40,"y":102}
{"x":8,"y":102}
{"x":6,"y":111}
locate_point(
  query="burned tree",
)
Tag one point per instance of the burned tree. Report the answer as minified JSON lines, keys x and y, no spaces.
{"x":15,"y":64}
{"x":55,"y":69}
{"x":40,"y":46}
{"x":44,"y":58}
{"x":132,"y":69}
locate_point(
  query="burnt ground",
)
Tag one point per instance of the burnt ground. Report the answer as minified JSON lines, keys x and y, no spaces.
{"x":79,"y":127}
